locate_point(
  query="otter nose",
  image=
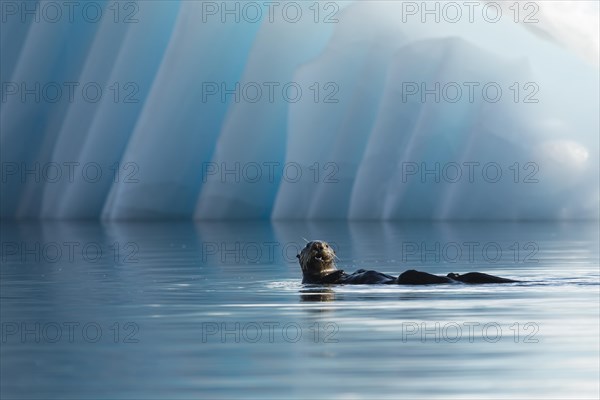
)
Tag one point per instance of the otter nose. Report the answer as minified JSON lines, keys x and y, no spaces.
{"x":319,"y":247}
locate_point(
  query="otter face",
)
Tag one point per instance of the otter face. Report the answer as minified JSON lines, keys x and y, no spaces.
{"x":317,"y":258}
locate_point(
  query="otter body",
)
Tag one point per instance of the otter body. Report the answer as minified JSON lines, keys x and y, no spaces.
{"x":317,"y":261}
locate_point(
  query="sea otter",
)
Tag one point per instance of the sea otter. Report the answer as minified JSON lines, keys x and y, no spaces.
{"x":317,"y":261}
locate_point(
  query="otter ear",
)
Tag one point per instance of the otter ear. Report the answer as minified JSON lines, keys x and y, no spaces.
{"x":297,"y":255}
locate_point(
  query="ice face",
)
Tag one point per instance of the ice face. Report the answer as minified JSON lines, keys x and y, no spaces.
{"x":368,"y":113}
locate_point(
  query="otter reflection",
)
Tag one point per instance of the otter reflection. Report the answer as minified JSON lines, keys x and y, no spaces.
{"x":317,"y":295}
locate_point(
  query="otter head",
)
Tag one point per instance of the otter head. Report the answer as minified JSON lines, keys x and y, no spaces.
{"x":317,"y":259}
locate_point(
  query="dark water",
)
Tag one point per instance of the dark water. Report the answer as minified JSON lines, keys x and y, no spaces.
{"x":216,"y":310}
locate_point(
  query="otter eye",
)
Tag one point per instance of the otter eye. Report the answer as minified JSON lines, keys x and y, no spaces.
{"x":326,"y":245}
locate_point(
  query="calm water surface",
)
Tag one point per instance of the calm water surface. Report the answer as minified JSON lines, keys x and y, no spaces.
{"x":216,"y":310}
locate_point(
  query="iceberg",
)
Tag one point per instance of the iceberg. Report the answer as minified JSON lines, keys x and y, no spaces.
{"x":369,"y":110}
